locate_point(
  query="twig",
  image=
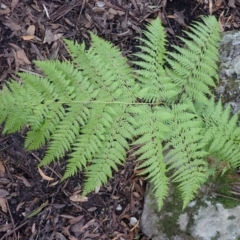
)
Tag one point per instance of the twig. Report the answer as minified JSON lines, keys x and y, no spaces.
{"x":218,"y":194}
{"x":10,"y":213}
{"x":14,"y":230}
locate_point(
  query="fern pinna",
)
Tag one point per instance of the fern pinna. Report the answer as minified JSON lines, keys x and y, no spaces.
{"x":95,"y":107}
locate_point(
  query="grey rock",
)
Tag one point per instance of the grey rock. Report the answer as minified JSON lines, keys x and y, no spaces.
{"x":204,"y":218}
{"x":229,"y":70}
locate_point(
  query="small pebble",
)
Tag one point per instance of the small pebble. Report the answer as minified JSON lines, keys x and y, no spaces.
{"x":119,"y":207}
{"x":133,"y":221}
{"x":100,"y":4}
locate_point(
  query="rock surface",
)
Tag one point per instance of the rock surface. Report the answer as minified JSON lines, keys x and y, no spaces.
{"x":206,"y":218}
{"x":203,"y":219}
{"x":229,"y":74}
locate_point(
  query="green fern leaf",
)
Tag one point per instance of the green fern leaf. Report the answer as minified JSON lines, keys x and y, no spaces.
{"x":95,"y":106}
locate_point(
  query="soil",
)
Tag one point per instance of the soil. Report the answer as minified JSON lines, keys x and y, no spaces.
{"x":32,"y":206}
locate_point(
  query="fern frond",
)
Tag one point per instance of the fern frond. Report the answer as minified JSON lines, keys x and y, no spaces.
{"x":185,"y":152}
{"x":112,"y":153}
{"x":95,"y":106}
{"x":221,"y":133}
{"x":194,"y":67}
{"x":151,"y":129}
{"x":14,"y":117}
{"x":151,"y":63}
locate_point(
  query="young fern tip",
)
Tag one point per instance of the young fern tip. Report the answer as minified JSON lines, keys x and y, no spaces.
{"x":95,"y":107}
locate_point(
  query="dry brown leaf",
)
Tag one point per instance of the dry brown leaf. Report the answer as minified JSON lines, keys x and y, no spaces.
{"x":97,"y":189}
{"x":98,"y":10}
{"x":76,"y":219}
{"x":91,"y":209}
{"x":136,"y":194}
{"x":60,"y":236}
{"x":49,"y":37}
{"x":22,"y":56}
{"x":3,"y":193}
{"x":78,"y":198}
{"x":72,"y":238}
{"x":115,"y":197}
{"x":53,"y":184}
{"x":5,"y":11}
{"x":121,"y":13}
{"x":27,"y":38}
{"x":14,"y":3}
{"x":2,"y":168}
{"x":66,"y":216}
{"x":25,"y":181}
{"x":88,"y":224}
{"x":31,"y":30}
{"x":20,"y":205}
{"x":45,"y":177}
{"x":5,"y":227}
{"x":179,"y":17}
{"x":113,"y":11}
{"x":231,"y":3}
{"x":13,"y":26}
{"x":57,"y":36}
{"x":33,"y":227}
{"x":3,"y":204}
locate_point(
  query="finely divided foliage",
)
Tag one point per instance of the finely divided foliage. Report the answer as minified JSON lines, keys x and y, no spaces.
{"x":95,"y":107}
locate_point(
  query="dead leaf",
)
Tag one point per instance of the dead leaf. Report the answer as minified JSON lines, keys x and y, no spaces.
{"x":115,"y":197}
{"x":14,"y":3}
{"x":113,"y":11}
{"x":87,"y":225}
{"x":12,"y":25}
{"x":25,"y":181}
{"x":72,"y":238}
{"x":31,"y":30}
{"x":3,"y":204}
{"x":66,"y":216}
{"x":91,"y":209}
{"x":49,"y":37}
{"x":57,"y":36}
{"x":98,"y":10}
{"x":33,"y":227}
{"x":5,"y":11}
{"x":27,"y":38}
{"x":53,"y":184}
{"x":5,"y":227}
{"x":121,"y":13}
{"x":179,"y":17}
{"x":3,"y":193}
{"x":45,"y":177}
{"x":136,"y":194}
{"x":76,"y":219}
{"x":59,"y":236}
{"x":22,"y":56}
{"x":20,"y":205}
{"x":78,"y":198}
{"x":97,"y":189}
{"x":231,"y":3}
{"x":2,"y":168}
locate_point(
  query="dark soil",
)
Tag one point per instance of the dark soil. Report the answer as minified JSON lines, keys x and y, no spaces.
{"x":31,"y":206}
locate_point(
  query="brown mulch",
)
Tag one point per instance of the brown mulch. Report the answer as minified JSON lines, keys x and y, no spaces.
{"x":31,"y":205}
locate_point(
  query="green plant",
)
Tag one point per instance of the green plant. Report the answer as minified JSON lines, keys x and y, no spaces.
{"x":96,"y":106}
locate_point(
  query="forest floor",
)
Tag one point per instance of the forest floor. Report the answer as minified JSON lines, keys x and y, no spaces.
{"x":31,"y":206}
